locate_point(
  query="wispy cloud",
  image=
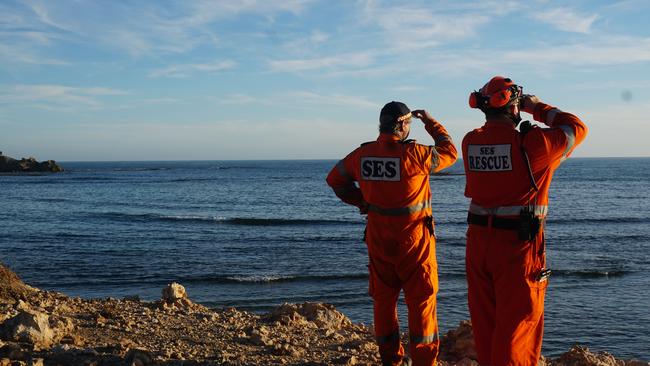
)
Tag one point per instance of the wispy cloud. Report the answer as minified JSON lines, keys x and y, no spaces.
{"x":139,"y":28}
{"x":162,"y":100}
{"x":181,"y":71}
{"x":23,"y":41}
{"x":239,"y":99}
{"x":25,"y":36}
{"x":408,"y":28}
{"x":307,"y":42}
{"x":43,"y":14}
{"x":610,"y":51}
{"x":307,"y":97}
{"x":378,"y":38}
{"x":567,"y":20}
{"x":44,"y":95}
{"x":20,"y":53}
{"x":299,"y":99}
{"x":406,"y":88}
{"x":329,"y":62}
{"x":541,"y":58}
{"x":416,"y":28}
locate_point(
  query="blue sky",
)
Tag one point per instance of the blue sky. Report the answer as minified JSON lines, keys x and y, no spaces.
{"x":302,"y":79}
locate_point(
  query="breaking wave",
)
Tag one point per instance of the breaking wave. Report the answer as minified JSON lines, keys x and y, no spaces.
{"x":587,"y":273}
{"x":200,"y":279}
{"x":242,"y":221}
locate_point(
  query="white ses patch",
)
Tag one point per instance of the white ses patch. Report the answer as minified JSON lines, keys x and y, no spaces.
{"x":489,"y":158}
{"x":379,"y":168}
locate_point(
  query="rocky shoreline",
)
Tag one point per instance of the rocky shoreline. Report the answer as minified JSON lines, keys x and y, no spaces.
{"x":27,"y":165}
{"x":48,"y":328}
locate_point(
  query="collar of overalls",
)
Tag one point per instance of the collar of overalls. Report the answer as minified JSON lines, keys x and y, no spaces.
{"x":500,"y":122}
{"x":387,"y":137}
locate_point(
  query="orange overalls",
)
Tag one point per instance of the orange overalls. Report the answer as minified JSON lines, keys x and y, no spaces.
{"x":506,"y":286}
{"x":393,"y":179}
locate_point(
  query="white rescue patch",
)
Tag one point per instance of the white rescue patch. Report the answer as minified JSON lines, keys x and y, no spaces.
{"x":379,"y":168}
{"x":489,"y":158}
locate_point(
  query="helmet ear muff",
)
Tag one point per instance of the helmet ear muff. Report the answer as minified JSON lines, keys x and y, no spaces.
{"x":476,"y":99}
{"x":500,"y":98}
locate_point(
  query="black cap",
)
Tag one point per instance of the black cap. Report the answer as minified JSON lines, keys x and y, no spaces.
{"x":393,"y":112}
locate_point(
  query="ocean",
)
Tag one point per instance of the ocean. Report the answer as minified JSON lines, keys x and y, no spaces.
{"x":256,"y":234}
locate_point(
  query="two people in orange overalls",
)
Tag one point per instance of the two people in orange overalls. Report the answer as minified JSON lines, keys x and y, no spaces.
{"x":508,"y":173}
{"x":392,"y":174}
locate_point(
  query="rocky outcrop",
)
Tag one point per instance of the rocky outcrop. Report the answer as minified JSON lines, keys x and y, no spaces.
{"x":27,"y":165}
{"x":457,"y":346}
{"x":173,"y":292}
{"x":29,"y":326}
{"x":49,"y":328}
{"x":174,"y":295}
{"x":323,"y":315}
{"x":12,"y":289}
{"x":581,"y":356}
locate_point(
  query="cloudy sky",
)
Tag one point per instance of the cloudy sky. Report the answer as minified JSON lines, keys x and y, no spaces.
{"x":303,"y":79}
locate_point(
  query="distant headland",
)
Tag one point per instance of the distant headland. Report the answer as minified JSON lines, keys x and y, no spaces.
{"x":27,"y":165}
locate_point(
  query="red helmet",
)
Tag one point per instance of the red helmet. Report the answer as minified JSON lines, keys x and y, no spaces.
{"x":497,"y":93}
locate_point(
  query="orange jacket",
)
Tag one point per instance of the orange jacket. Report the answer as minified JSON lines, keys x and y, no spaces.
{"x":393,"y":176}
{"x":497,"y":178}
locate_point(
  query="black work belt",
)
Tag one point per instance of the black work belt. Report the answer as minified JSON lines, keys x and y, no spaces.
{"x":497,"y":222}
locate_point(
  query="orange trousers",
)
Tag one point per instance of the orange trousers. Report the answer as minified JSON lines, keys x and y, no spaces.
{"x":402,"y":256}
{"x":506,"y":299}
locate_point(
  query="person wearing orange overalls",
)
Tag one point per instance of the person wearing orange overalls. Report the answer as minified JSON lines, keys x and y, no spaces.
{"x":508,"y":173}
{"x":392,"y":174}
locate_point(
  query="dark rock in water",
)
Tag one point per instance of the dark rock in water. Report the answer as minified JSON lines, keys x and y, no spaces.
{"x":27,"y":165}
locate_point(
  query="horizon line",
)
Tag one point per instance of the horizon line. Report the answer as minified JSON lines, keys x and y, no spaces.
{"x":294,"y":159}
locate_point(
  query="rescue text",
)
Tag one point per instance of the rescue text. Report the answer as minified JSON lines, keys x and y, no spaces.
{"x":489,"y":158}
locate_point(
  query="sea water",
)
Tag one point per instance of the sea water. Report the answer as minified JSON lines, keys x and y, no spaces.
{"x":256,"y":234}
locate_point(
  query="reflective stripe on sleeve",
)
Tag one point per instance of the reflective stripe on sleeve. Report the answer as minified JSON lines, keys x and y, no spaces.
{"x":435,"y":159}
{"x":570,"y":138}
{"x":388,"y":339}
{"x":426,"y":339}
{"x":505,"y":210}
{"x":550,"y":116}
{"x":442,"y":138}
{"x":340,"y":166}
{"x":400,"y":210}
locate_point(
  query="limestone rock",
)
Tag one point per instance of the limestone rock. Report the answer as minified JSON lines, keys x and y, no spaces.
{"x":12,"y":289}
{"x":286,"y":314}
{"x":29,"y":326}
{"x":260,"y":337}
{"x":581,"y":356}
{"x":176,"y":332}
{"x":458,"y":344}
{"x":173,"y":292}
{"x":324,"y":316}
